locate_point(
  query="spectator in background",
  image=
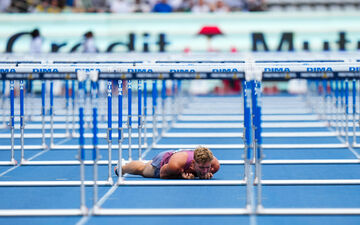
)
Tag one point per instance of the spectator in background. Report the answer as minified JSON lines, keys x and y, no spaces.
{"x":162,"y":7}
{"x":235,"y":5}
{"x":35,"y":48}
{"x":200,"y":7}
{"x":220,"y":6}
{"x":255,"y":5}
{"x":186,"y":5}
{"x":175,"y":4}
{"x":56,"y":6}
{"x":42,"y":7}
{"x":4,"y":5}
{"x":19,"y":6}
{"x":141,"y":6}
{"x":36,"y":41}
{"x":97,"y":6}
{"x":89,"y":43}
{"x":70,"y":3}
{"x":120,"y":6}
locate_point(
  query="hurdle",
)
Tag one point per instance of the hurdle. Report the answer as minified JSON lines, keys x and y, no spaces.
{"x":202,"y":69}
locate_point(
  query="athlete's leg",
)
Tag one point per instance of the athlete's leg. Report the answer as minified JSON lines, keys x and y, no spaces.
{"x":139,"y":168}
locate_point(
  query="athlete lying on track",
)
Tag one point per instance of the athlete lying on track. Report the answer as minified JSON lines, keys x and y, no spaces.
{"x":185,"y":164}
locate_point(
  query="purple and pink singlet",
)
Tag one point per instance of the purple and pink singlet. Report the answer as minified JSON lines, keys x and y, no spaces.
{"x":164,"y":157}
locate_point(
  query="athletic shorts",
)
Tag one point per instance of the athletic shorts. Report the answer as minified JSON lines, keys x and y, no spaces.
{"x":156,"y":162}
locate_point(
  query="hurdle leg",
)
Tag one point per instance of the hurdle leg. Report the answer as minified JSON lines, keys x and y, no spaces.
{"x":139,"y":118}
{"x":73,"y":108}
{"x":120,"y":130}
{"x":83,"y":207}
{"x":163,"y":99}
{"x":333,"y":105}
{"x":129,"y":120}
{"x":51,"y":114}
{"x":346,"y":105}
{"x":3,"y":103}
{"x":43,"y":113}
{"x":173,"y":102}
{"x":22,"y":122}
{"x":12,"y":122}
{"x":145,"y":113}
{"x":67,"y":108}
{"x":258,"y":176}
{"x":109,"y":130}
{"x":354,"y":110}
{"x":95,"y":141}
{"x":337,"y":108}
{"x":154,"y":99}
{"x":342,"y":109}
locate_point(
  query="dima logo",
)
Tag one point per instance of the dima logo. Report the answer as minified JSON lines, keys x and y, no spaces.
{"x":140,"y":70}
{"x":231,"y":70}
{"x":87,"y":69}
{"x":277,"y":70}
{"x":182,"y":71}
{"x":354,"y":69}
{"x":319,"y":69}
{"x":7,"y":71}
{"x":43,"y":70}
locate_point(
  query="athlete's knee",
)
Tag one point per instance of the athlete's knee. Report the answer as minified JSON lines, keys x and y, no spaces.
{"x":149,"y":170}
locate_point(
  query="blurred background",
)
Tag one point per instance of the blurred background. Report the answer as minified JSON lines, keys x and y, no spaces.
{"x":182,"y":26}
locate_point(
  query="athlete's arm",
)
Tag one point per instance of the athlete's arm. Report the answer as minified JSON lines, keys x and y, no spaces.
{"x":215,"y":165}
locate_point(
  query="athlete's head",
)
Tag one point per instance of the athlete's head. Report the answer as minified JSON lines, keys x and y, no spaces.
{"x":202,"y":161}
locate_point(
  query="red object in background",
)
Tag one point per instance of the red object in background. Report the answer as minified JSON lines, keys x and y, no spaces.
{"x":186,"y":50}
{"x":233,"y":49}
{"x":210,"y":31}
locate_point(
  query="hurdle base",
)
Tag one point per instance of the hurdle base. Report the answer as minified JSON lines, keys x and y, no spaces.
{"x":110,"y":181}
{"x":84,"y":210}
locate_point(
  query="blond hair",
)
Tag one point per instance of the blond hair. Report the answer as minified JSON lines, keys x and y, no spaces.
{"x":203,"y":155}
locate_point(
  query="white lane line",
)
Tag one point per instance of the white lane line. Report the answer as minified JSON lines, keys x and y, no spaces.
{"x":32,"y":157}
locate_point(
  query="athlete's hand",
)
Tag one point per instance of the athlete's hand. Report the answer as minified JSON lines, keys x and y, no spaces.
{"x":207,"y":176}
{"x":188,"y":176}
